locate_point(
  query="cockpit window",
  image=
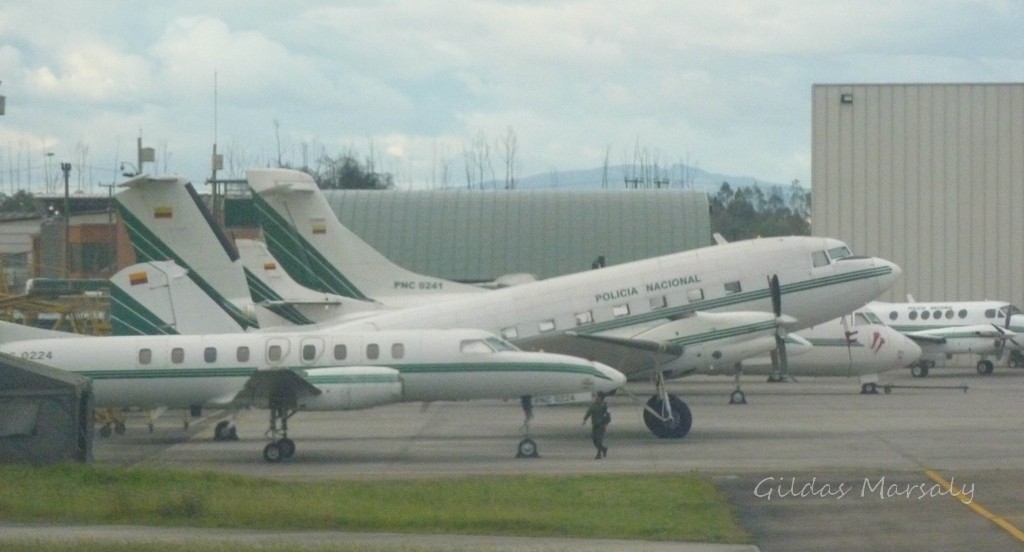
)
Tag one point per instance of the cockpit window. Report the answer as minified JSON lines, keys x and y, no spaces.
{"x":475,"y":346}
{"x":839,"y":252}
{"x":1009,"y":309}
{"x":500,"y":344}
{"x":819,"y":258}
{"x":864,"y":318}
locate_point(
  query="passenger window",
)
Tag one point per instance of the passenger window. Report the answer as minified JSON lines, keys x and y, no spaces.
{"x":949,"y":314}
{"x":210,"y":354}
{"x":397,"y":350}
{"x":177,"y":355}
{"x":510,"y":332}
{"x":962,"y":314}
{"x":620,"y":310}
{"x":990,"y":313}
{"x":145,"y":356}
{"x":659,"y":302}
{"x":894,"y":315}
{"x":340,"y":352}
{"x":274,"y":353}
{"x":546,"y":326}
{"x":925,"y":315}
{"x":373,"y":351}
{"x":309,"y":352}
{"x":242,"y":354}
{"x":695,"y":295}
{"x":912,"y":315}
{"x":732,"y":288}
{"x":585,"y":317}
{"x":819,"y":258}
{"x":937,"y":314}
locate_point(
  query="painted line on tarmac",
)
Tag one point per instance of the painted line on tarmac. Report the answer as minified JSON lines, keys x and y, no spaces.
{"x":978,"y":508}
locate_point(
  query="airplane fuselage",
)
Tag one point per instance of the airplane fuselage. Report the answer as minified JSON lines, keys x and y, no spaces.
{"x":351,"y":369}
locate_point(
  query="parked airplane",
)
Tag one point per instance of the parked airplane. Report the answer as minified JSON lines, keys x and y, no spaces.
{"x":945,"y":329}
{"x":657,"y":318}
{"x":291,"y":371}
{"x":859,"y":345}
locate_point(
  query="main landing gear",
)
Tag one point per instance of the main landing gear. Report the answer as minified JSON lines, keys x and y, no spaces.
{"x":527,"y":447}
{"x":666,"y":415}
{"x":280,"y":447}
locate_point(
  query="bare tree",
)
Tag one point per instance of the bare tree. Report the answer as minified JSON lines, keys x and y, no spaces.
{"x":508,"y":145}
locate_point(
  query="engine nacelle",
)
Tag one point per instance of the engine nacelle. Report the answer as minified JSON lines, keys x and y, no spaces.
{"x":352,"y":387}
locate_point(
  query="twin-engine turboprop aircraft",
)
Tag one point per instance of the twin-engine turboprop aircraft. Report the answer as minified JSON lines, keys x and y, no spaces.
{"x":657,"y":318}
{"x":945,"y":329}
{"x":310,"y":369}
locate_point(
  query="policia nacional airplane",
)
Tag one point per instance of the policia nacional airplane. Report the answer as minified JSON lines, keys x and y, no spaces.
{"x":311,"y":369}
{"x":657,"y":318}
{"x":945,"y":329}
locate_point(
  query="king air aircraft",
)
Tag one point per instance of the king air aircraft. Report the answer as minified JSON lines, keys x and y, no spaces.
{"x":294,"y":370}
{"x":659,"y":318}
{"x":944,"y":330}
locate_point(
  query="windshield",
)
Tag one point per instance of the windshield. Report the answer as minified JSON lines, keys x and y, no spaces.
{"x":839,"y":252}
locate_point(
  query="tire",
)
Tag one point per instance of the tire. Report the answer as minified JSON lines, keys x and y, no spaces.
{"x":220,"y":431}
{"x":919,"y":371}
{"x":527,"y":449}
{"x":869,"y":389}
{"x":985,"y":367}
{"x":287,"y":447}
{"x":737,"y":397}
{"x":272,"y":453}
{"x":673,"y":429}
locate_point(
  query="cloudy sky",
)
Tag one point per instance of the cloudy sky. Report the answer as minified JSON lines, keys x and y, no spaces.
{"x":724,"y":86}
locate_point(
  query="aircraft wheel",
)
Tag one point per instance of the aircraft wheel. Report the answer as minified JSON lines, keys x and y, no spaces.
{"x":105,"y":431}
{"x":287,"y":447}
{"x":774,"y":378}
{"x":527,"y":449}
{"x":985,"y":367}
{"x":736,"y":397}
{"x":272,"y":453}
{"x":677,"y":427}
{"x":918,"y":371}
{"x":869,"y":389}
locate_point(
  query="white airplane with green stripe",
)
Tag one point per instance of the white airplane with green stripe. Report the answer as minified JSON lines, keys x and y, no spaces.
{"x":293,"y":371}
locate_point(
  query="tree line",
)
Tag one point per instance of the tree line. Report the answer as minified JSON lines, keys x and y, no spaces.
{"x":748,"y":212}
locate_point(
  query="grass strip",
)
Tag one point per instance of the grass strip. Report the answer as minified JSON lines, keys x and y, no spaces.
{"x":646,"y":507}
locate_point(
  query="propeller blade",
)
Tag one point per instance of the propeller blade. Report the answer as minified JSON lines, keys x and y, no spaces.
{"x":776,"y":293}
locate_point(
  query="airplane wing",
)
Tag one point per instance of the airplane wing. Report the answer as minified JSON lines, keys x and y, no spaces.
{"x":277,"y":386}
{"x":662,"y":342}
{"x":978,"y":331}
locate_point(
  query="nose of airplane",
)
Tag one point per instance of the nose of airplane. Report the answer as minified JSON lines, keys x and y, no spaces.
{"x":612,"y":380}
{"x":889,"y":276}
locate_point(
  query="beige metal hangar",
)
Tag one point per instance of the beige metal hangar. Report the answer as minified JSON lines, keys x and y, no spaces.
{"x":478,"y":236}
{"x":930,"y":176}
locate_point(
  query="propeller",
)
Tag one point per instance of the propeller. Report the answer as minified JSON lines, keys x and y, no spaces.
{"x":849,"y":335}
{"x":780,"y":361}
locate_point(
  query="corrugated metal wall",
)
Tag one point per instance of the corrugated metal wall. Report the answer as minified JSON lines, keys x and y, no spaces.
{"x":930,"y":176}
{"x":473,"y":235}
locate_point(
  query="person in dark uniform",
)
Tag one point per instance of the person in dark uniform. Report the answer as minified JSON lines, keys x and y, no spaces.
{"x":599,"y":419}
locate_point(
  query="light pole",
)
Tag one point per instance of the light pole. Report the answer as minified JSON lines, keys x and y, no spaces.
{"x":66,"y":169}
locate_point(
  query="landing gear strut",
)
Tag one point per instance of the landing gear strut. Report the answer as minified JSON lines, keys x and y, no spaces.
{"x":666,"y":415}
{"x":527,"y":447}
{"x":280,"y":447}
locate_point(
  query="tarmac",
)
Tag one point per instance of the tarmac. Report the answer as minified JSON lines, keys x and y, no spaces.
{"x":808,"y":465}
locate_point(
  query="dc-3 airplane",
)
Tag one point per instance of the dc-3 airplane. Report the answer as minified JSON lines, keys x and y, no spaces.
{"x":658,"y":318}
{"x":945,"y":329}
{"x":306,"y":369}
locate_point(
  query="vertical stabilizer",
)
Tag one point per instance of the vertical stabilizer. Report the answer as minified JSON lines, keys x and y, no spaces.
{"x":168,"y":221}
{"x":305,"y":236}
{"x":158,"y":298}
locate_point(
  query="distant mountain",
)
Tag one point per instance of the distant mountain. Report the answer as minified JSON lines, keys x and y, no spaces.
{"x":620,"y":177}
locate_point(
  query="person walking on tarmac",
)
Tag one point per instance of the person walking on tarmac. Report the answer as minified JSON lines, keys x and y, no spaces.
{"x":599,"y":419}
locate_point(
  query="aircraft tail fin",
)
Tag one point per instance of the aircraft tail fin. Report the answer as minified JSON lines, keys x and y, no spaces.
{"x":274,"y":290}
{"x":168,"y":221}
{"x":158,"y":298}
{"x":304,"y":234}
